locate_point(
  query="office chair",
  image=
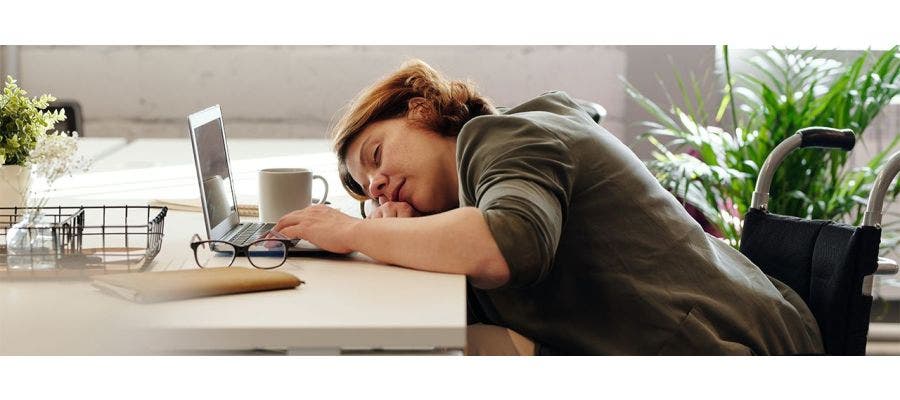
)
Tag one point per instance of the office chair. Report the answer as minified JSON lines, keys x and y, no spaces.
{"x":594,"y":110}
{"x":829,"y":264}
{"x":74,"y":121}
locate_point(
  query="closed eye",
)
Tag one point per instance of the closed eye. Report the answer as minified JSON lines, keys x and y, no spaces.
{"x":377,"y":156}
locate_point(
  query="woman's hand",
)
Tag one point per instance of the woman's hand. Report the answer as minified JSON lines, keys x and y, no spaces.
{"x":394,"y":209}
{"x":321,"y":225}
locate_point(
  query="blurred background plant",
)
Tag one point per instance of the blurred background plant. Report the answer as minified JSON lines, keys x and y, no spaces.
{"x":25,"y":141}
{"x":54,"y":156}
{"x":23,"y":122}
{"x":714,"y":168}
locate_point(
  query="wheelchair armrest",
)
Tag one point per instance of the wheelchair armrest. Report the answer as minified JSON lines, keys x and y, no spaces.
{"x":886,"y":266}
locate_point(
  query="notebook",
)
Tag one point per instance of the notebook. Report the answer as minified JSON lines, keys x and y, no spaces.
{"x":193,"y":205}
{"x":152,"y":287}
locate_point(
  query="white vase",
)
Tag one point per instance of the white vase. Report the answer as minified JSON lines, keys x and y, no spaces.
{"x":15,"y":181}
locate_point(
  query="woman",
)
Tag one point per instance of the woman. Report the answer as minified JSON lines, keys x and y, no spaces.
{"x":569,"y":244}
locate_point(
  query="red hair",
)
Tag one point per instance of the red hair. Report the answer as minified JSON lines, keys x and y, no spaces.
{"x":447,"y":106}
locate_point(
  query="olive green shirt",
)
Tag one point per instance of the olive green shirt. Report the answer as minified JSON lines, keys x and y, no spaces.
{"x":602,"y":259}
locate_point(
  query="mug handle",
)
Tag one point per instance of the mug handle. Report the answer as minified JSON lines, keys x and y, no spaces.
{"x":325,"y":182}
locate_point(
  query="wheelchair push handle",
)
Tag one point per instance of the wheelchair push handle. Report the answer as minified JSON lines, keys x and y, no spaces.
{"x":873,"y":215}
{"x":880,"y":187}
{"x":816,"y":136}
{"x":828,"y":138}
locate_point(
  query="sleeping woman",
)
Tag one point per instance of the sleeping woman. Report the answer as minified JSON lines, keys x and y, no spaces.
{"x":569,"y":244}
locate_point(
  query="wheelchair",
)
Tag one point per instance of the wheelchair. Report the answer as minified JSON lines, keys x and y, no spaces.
{"x":831,"y":265}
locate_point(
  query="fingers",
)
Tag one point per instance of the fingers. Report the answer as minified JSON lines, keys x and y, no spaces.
{"x":405,"y":210}
{"x":388,"y":211}
{"x":273,"y":234}
{"x":394,"y":210}
{"x":288,"y":219}
{"x":292,"y":231}
{"x":281,"y":223}
{"x":294,"y":218}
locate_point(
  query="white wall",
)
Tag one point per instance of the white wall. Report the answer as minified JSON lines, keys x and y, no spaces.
{"x":652,"y":71}
{"x":294,"y":91}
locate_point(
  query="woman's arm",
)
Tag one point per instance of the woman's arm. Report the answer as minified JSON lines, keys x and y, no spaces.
{"x":457,"y":241}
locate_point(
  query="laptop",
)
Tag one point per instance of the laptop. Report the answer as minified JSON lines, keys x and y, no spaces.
{"x":217,"y":198}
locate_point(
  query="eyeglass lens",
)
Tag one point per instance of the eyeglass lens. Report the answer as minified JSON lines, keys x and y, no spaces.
{"x":212,"y":254}
{"x":267,"y":253}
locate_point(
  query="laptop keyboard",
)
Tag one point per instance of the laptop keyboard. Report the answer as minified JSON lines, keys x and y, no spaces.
{"x":251,"y":232}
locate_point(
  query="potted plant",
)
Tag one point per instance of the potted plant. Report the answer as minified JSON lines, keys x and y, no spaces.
{"x":23,"y":125}
{"x":715,"y":168}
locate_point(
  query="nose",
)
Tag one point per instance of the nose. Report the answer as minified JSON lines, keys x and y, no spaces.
{"x":378,"y":186}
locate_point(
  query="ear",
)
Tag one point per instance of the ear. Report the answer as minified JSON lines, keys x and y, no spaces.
{"x":415,"y":107}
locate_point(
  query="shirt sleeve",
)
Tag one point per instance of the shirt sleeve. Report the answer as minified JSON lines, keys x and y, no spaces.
{"x":520,"y":176}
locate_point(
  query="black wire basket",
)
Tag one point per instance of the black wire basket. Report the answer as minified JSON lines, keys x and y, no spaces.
{"x":78,"y":242}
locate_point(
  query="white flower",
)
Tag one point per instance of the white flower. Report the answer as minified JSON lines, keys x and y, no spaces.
{"x":54,"y":156}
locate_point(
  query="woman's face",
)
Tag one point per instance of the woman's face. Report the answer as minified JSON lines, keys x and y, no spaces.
{"x":394,"y":160}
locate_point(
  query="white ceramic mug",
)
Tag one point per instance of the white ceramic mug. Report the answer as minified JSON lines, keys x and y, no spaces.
{"x":282,"y":190}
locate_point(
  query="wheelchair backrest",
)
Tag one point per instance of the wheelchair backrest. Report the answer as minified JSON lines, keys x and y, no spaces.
{"x":825,"y":263}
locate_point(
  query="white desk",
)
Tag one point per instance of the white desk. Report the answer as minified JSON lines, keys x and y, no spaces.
{"x":98,"y":148}
{"x":346,"y":304}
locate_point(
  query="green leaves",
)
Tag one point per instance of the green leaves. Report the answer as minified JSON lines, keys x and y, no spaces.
{"x":23,"y":122}
{"x":785,"y":90}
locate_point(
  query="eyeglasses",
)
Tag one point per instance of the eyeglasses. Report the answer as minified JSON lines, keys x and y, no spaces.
{"x":266,"y":253}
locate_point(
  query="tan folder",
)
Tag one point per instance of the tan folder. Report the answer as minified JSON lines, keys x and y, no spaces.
{"x":151,"y":287}
{"x":244,"y":210}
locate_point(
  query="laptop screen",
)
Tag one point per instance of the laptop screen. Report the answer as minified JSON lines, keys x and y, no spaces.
{"x":215,"y":179}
